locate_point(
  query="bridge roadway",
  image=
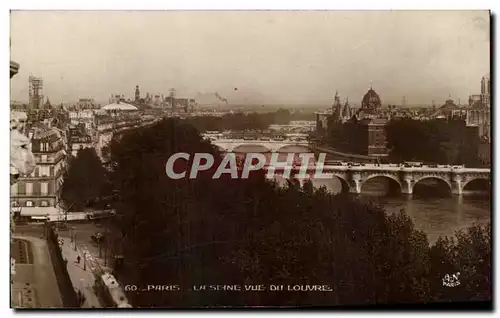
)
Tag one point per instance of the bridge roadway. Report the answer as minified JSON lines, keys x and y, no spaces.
{"x":275,"y":145}
{"x":353,"y":177}
{"x":232,"y":145}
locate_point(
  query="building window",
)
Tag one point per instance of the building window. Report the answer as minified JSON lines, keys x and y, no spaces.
{"x":44,"y":171}
{"x":29,"y":203}
{"x":29,"y":188}
{"x":44,"y":203}
{"x":14,"y":189}
{"x":44,"y":188}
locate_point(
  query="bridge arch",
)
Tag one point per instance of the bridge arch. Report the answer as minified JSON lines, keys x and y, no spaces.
{"x":343,"y":182}
{"x":394,"y":185}
{"x":293,"y":148}
{"x":221,"y":149}
{"x":247,"y":148}
{"x":483,"y":181}
{"x":222,"y":146}
{"x":445,"y":185}
{"x":336,"y":184}
{"x":296,"y":129}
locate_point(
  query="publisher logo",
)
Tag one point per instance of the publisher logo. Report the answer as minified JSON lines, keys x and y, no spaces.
{"x":451,"y":280}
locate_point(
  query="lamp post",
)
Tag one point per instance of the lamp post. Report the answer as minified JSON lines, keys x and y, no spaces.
{"x":66,"y":215}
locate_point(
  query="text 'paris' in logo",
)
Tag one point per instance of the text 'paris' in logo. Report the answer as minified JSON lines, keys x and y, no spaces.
{"x":451,"y":281}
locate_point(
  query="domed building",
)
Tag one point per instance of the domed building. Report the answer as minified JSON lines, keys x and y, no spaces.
{"x":449,"y":110}
{"x":371,"y":101}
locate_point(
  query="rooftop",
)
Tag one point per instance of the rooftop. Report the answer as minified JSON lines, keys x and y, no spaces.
{"x":119,"y":106}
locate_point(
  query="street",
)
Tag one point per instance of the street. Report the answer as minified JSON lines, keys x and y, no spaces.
{"x":34,"y":285}
{"x":83,"y":232}
{"x":29,"y":248}
{"x":81,"y":275}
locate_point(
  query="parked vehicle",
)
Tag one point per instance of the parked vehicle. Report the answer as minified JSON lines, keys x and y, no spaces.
{"x":354,"y":164}
{"x":412,"y":164}
{"x":111,"y":292}
{"x":101,"y":214}
{"x":335,"y":163}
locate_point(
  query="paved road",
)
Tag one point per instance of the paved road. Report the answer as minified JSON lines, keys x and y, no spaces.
{"x":82,"y":276}
{"x":83,"y":233}
{"x":30,"y":229}
{"x":34,"y":284}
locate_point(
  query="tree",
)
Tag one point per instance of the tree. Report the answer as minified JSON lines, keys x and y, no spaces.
{"x":433,"y":141}
{"x":241,"y":121}
{"x":84,"y":179}
{"x":469,"y":254}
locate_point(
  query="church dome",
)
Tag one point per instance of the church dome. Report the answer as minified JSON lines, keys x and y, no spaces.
{"x":371,"y":100}
{"x":449,"y":105}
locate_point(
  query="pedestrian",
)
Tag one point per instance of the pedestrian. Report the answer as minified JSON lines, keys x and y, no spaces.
{"x":78,"y":258}
{"x":79,"y":298}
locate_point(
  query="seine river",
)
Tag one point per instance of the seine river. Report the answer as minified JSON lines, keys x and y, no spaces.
{"x":436,"y":215}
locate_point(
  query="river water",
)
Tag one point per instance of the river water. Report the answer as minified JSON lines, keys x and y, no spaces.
{"x":436,"y":215}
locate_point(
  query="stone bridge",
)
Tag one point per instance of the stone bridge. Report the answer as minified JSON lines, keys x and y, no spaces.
{"x":353,"y":177}
{"x":267,"y":146}
{"x":262,"y":146}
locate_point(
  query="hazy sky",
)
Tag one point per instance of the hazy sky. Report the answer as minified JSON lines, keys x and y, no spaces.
{"x":279,"y":57}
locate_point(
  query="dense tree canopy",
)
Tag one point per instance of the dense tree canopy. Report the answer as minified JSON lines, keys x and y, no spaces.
{"x":232,"y":231}
{"x":348,"y":137}
{"x":241,"y":121}
{"x":432,"y":141}
{"x":435,"y":141}
{"x":84,"y":180}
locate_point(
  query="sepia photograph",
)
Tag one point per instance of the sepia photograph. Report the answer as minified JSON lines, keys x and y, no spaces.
{"x":250,"y":159}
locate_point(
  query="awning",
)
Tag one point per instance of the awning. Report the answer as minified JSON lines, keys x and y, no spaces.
{"x":54,"y":214}
{"x":39,"y":211}
{"x":39,"y":217}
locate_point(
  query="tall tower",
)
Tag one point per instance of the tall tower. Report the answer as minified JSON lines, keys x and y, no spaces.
{"x":337,"y":108}
{"x":346,"y":112}
{"x":485,"y":90}
{"x":35,"y":92}
{"x":171,"y":97}
{"x":137,"y":94}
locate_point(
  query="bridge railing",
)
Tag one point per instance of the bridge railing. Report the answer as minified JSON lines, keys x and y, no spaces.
{"x":392,"y":167}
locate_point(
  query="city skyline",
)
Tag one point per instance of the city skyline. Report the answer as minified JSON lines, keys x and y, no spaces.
{"x":293,"y":57}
